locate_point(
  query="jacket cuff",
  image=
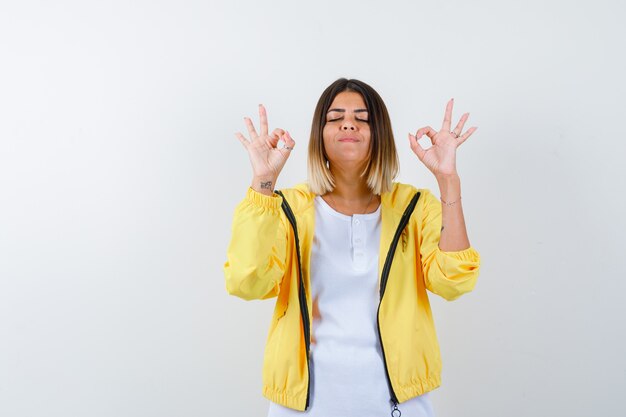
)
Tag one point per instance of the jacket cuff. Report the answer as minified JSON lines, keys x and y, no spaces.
{"x":458,"y":266}
{"x":467,"y":255}
{"x":261,"y":200}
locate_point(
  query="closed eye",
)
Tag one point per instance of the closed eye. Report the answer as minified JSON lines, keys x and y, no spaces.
{"x":359,"y":120}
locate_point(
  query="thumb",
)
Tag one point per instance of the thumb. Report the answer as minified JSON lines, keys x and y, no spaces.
{"x":416,"y":147}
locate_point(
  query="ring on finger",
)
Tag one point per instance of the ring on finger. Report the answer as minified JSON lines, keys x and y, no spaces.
{"x":455,"y":134}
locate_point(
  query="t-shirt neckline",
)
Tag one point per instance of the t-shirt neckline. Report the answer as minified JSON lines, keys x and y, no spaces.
{"x":366,"y":216}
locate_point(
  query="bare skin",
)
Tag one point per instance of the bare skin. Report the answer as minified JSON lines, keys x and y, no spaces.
{"x":348,"y":118}
{"x":440,"y":159}
{"x":266,"y":157}
{"x":347,"y":157}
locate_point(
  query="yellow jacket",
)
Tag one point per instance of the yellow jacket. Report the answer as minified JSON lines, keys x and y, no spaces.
{"x":262,"y":262}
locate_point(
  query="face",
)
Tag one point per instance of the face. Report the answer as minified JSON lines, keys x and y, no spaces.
{"x":346,"y":133}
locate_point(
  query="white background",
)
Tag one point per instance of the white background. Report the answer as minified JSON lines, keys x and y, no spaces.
{"x":119,"y":173}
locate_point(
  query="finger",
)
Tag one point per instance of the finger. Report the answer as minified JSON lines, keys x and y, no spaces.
{"x":428,"y":131}
{"x":289,"y":140}
{"x":447,"y":119}
{"x":242,"y":139}
{"x":467,"y":134}
{"x":289,"y":144}
{"x":459,"y":127}
{"x":251,"y":129}
{"x":416,"y":147}
{"x":277,"y":134}
{"x":274,"y":138}
{"x":263,"y":118}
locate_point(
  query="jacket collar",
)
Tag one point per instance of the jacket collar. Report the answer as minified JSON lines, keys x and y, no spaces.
{"x":386,"y":198}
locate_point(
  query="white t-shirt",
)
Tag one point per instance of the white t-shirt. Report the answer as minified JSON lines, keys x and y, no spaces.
{"x":347,"y":370}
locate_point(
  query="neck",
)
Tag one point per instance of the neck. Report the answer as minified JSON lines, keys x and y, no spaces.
{"x":351,"y":194}
{"x":349,"y":186}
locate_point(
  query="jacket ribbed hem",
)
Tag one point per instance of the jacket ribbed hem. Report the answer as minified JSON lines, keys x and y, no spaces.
{"x":419,"y":387}
{"x":403,"y":393}
{"x":272,"y":202}
{"x":297,"y":402}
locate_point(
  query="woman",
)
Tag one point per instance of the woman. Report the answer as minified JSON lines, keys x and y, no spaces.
{"x":349,"y":256}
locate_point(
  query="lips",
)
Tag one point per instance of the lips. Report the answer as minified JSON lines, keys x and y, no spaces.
{"x":348,"y":140}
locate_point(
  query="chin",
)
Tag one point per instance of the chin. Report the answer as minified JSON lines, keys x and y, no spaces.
{"x":348,"y":159}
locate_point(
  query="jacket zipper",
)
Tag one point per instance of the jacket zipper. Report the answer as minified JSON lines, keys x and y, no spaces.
{"x":383,"y":285}
{"x":301,"y":296}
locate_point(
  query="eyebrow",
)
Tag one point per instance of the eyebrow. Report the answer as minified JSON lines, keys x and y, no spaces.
{"x":344,"y":110}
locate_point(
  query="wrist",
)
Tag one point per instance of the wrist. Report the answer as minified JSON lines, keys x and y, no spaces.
{"x":449,"y":187}
{"x":264,"y":185}
{"x":447,"y":178}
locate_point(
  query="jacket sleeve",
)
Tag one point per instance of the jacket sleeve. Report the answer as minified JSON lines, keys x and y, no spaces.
{"x":256,"y":253}
{"x":448,"y":274}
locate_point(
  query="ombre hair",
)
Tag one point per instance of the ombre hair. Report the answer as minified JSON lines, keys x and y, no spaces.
{"x":382,"y":165}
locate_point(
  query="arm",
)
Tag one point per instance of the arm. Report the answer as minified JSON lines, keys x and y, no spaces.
{"x":449,"y":263}
{"x":453,"y":231}
{"x":257,"y":250}
{"x":256,"y":253}
{"x":447,"y":273}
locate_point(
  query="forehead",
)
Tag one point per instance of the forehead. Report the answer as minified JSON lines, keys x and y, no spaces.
{"x":348,"y":100}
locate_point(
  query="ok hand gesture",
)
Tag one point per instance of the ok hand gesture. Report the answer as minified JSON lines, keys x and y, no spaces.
{"x":440,"y":158}
{"x":266,"y":158}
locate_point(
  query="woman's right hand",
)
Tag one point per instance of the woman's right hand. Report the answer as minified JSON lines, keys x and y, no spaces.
{"x":266,"y":157}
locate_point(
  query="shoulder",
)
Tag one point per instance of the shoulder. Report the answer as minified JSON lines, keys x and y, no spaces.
{"x":401,"y":194}
{"x":299,"y":196}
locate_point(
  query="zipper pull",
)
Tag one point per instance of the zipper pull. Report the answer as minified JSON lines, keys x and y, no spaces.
{"x":396,"y":411}
{"x":404,"y":235}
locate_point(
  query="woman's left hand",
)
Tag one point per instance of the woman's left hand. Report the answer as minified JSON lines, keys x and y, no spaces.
{"x":440,"y":158}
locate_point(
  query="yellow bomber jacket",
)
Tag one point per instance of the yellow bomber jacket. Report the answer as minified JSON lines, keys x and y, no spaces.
{"x":262,"y":262}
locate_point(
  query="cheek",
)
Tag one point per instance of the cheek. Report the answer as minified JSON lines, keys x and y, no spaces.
{"x":367,"y":134}
{"x":328,"y":147}
{"x":326,"y":136}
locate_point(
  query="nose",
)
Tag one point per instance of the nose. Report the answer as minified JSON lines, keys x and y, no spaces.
{"x":348,"y":125}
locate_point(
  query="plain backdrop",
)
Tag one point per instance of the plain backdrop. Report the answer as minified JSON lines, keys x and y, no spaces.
{"x":120,"y":171}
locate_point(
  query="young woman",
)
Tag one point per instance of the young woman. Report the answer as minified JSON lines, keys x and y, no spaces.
{"x":349,"y":255}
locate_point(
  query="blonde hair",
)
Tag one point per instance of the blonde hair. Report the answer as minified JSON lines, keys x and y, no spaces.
{"x":383,"y":164}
